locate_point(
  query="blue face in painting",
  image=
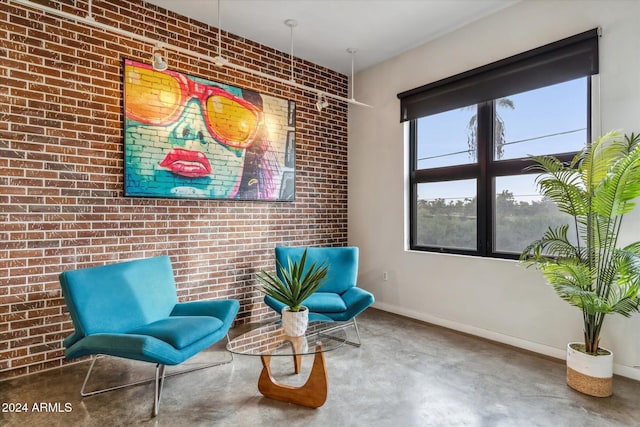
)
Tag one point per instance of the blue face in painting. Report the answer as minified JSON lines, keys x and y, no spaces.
{"x":184,"y":137}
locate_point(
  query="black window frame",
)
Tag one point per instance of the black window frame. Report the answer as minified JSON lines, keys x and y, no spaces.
{"x":558,"y":62}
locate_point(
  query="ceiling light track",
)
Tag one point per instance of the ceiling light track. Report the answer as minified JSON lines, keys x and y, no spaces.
{"x":219,"y":60}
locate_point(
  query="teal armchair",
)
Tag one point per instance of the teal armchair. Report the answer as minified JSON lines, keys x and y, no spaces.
{"x":130,"y":310}
{"x":339,"y":299}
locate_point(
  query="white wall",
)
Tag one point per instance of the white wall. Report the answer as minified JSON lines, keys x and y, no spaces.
{"x":497,"y":299}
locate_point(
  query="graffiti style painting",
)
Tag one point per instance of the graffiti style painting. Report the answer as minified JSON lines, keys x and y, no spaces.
{"x":188,"y":137}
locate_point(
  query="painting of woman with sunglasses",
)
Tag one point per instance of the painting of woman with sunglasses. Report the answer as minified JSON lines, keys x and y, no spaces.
{"x":189,"y":137}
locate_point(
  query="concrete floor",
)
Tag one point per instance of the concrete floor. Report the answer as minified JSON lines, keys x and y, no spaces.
{"x":406,"y":373}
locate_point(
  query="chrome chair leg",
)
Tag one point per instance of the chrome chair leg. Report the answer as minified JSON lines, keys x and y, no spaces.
{"x":159,"y":384}
{"x":346,"y":325}
{"x":84,"y":393}
{"x":228,"y":341}
{"x":86,"y":378}
{"x":359,"y":343}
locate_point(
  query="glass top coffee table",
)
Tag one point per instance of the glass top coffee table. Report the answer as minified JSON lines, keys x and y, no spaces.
{"x":269,"y":340}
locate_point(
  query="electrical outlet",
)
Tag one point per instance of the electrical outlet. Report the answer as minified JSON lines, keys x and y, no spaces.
{"x":385,"y":276}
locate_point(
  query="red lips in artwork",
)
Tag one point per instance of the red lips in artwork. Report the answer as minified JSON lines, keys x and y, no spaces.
{"x":187,"y":163}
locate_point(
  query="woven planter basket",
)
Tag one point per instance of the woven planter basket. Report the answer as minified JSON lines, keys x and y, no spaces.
{"x":588,"y":374}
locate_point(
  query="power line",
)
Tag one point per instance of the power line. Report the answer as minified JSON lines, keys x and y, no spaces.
{"x":520,"y":141}
{"x":545,"y":136}
{"x":444,"y":155}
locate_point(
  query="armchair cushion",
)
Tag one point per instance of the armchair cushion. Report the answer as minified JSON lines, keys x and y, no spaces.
{"x":225,"y":310}
{"x":140,"y":347}
{"x":356,"y":301}
{"x":325,"y":302}
{"x":180,"y":331}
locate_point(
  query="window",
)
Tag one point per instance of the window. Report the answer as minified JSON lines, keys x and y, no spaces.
{"x":470,"y":140}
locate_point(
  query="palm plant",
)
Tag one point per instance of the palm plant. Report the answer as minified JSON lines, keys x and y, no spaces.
{"x":499,"y":131}
{"x":295,"y":283}
{"x":596,"y":189}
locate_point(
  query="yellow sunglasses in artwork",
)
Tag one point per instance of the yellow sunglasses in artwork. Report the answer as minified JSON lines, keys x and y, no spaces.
{"x":159,"y":98}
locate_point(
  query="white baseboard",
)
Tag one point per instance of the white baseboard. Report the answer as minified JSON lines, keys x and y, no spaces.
{"x":622,"y":370}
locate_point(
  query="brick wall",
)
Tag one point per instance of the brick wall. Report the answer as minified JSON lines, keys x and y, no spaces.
{"x":61,"y":171}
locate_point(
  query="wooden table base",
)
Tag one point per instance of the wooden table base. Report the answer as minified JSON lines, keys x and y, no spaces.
{"x":312,"y":394}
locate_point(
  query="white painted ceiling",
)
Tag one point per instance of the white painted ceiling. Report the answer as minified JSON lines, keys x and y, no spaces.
{"x":378,"y":29}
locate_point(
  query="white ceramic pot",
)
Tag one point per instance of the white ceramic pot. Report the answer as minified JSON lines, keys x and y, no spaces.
{"x":295,"y":323}
{"x":588,"y":374}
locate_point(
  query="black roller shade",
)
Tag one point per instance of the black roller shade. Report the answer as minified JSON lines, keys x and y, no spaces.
{"x":564,"y":60}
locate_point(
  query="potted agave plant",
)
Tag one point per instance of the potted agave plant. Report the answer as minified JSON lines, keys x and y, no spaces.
{"x":291,"y":286}
{"x":585,"y":266}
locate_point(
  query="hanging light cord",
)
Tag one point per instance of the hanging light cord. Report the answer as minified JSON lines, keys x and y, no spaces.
{"x":353,"y":51}
{"x":219,"y":32}
{"x":90,"y":11}
{"x":291,"y":23}
{"x":291,"y":56}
